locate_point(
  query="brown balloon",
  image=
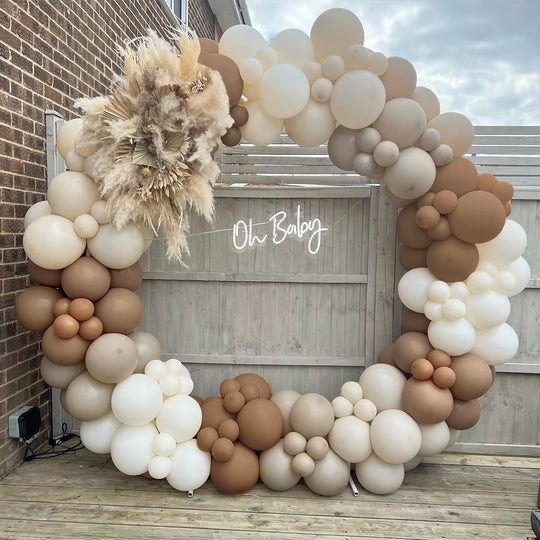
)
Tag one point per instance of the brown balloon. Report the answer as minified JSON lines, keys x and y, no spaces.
{"x":209,"y":46}
{"x":504,"y":191}
{"x":441,"y":231}
{"x":459,"y":176}
{"x":234,"y":401}
{"x":260,"y":423}
{"x":237,"y":475}
{"x":444,"y":377}
{"x":486,"y":182}
{"x":408,"y":348}
{"x":508,"y":208}
{"x":228,"y":385}
{"x":222,"y":450}
{"x":412,"y":258}
{"x":439,"y":358}
{"x":65,"y":326}
{"x":411,"y":321}
{"x":250,"y":392}
{"x":43,"y":276}
{"x":426,"y":402}
{"x":91,"y":329}
{"x":422,"y":369}
{"x":232,"y":137}
{"x":229,"y":429}
{"x":426,"y":199}
{"x":479,"y":217}
{"x":240,"y":115}
{"x":206,"y":438}
{"x":473,"y":376}
{"x":120,"y":311}
{"x":230,"y":73}
{"x":65,"y":352}
{"x":445,"y":201}
{"x":409,"y":233}
{"x":81,"y":309}
{"x":464,"y":415}
{"x":385,"y":356}
{"x":452,"y":259}
{"x":213,"y":412}
{"x":61,"y":306}
{"x":86,"y":278}
{"x":258,"y":381}
{"x":34,"y":307}
{"x":127,"y":278}
{"x":427,"y":217}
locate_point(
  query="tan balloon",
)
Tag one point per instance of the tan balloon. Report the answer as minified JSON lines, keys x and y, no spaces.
{"x":81,"y":309}
{"x":311,"y":415}
{"x":411,"y":321}
{"x":65,"y":352}
{"x":239,"y":473}
{"x":43,"y":276}
{"x":59,"y":376}
{"x":464,"y":414}
{"x":410,"y":347}
{"x":459,"y":176}
{"x":473,"y":376}
{"x":127,"y":278}
{"x":34,"y":307}
{"x":65,"y":326}
{"x":86,"y":278}
{"x":88,"y":399}
{"x":91,"y":329}
{"x":120,"y":311}
{"x":426,"y":402}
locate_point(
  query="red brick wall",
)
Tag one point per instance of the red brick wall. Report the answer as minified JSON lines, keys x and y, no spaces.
{"x":51,"y":53}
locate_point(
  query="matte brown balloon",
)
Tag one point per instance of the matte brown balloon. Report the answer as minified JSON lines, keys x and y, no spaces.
{"x":427,"y":217}
{"x":260,"y":423}
{"x":452,"y":259}
{"x":504,"y":191}
{"x":120,"y":311}
{"x":252,"y":378}
{"x":240,"y":115}
{"x":81,"y":309}
{"x":86,"y":278}
{"x":409,"y":233}
{"x":228,"y":385}
{"x":34,"y":307}
{"x":209,"y":46}
{"x":464,"y":415}
{"x":234,"y":401}
{"x":230,"y":73}
{"x":43,"y":276}
{"x":422,"y":369}
{"x":411,"y":321}
{"x":439,"y":358}
{"x":222,"y":449}
{"x":91,"y":329}
{"x":473,"y":376}
{"x":486,"y":182}
{"x":198,"y":399}
{"x":127,"y":278}
{"x":459,"y":176}
{"x":408,"y":348}
{"x":65,"y":326}
{"x":88,"y":399}
{"x":250,"y":392}
{"x":508,"y":208}
{"x":232,"y":137}
{"x":213,"y":412}
{"x":479,"y":217}
{"x":229,"y":429}
{"x":61,"y":306}
{"x":237,"y":475}
{"x":412,"y":258}
{"x":441,"y":231}
{"x":426,"y":402}
{"x":385,"y":356}
{"x":444,"y":377}
{"x":206,"y":438}
{"x":426,"y":199}
{"x":65,"y":352}
{"x":445,"y":201}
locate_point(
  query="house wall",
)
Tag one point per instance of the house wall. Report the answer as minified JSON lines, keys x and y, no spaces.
{"x":51,"y":53}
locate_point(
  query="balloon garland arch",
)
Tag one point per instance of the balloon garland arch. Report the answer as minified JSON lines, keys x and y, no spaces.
{"x":142,"y":157}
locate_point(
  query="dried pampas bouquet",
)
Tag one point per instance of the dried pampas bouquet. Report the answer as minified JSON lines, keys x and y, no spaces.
{"x":155,"y":135}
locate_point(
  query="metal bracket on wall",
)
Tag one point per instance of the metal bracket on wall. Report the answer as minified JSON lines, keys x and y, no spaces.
{"x":55,"y":163}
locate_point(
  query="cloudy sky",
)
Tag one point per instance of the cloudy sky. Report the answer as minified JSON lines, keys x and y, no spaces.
{"x":481,"y":57}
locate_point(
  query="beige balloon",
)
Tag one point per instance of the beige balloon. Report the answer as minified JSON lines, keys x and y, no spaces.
{"x":71,"y":194}
{"x":88,"y":399}
{"x":67,"y":135}
{"x":59,"y":376}
{"x":312,"y":415}
{"x":330,"y":477}
{"x":275,"y":468}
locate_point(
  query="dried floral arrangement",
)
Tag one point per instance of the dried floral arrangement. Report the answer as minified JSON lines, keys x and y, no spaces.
{"x":155,"y":136}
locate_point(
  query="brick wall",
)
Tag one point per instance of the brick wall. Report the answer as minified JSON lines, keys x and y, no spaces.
{"x":51,"y":53}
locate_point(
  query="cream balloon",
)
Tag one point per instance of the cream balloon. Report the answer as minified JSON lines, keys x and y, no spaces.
{"x":68,"y":133}
{"x":240,"y":41}
{"x":377,"y":63}
{"x":352,"y":391}
{"x":382,"y":385}
{"x":435,"y":438}
{"x":413,"y":288}
{"x":365,"y":410}
{"x":321,"y":90}
{"x":342,"y":407}
{"x":313,"y":126}
{"x":163,"y":444}
{"x":442,"y":155}
{"x":85,"y":148}
{"x":97,"y":435}
{"x":453,"y":337}
{"x":333,"y":67}
{"x":456,"y":131}
{"x":115,"y":248}
{"x":487,"y":309}
{"x":180,"y":416}
{"x":99,"y":212}
{"x":43,"y":237}
{"x":261,"y":128}
{"x":378,"y":476}
{"x":428,"y":100}
{"x":285,"y":399}
{"x":131,"y":448}
{"x":85,"y":226}
{"x":330,"y":477}
{"x":75,"y":162}
{"x":190,"y":467}
{"x":251,"y":70}
{"x":429,"y":140}
{"x":275,"y":468}
{"x":267,"y":57}
{"x":350,"y":439}
{"x":71,"y":194}
{"x":521,"y":271}
{"x":313,"y":71}
{"x":159,"y":467}
{"x":293,"y":46}
{"x":148,"y":348}
{"x":507,"y":246}
{"x":496,"y":345}
{"x":59,"y":376}
{"x":36,"y":211}
{"x":357,"y":57}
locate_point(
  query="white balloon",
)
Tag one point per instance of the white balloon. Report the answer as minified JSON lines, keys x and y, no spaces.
{"x":439,"y":291}
{"x":479,"y":281}
{"x":433,"y":311}
{"x":68,"y":133}
{"x":313,"y":126}
{"x":358,"y":99}
{"x":521,"y":271}
{"x":51,"y":242}
{"x":428,"y":100}
{"x":97,"y":435}
{"x":456,"y":131}
{"x":155,"y":369}
{"x":85,"y":149}
{"x":504,"y":282}
{"x":261,"y":128}
{"x":240,"y":41}
{"x":75,"y":162}
{"x":342,"y":407}
{"x":413,"y":288}
{"x":71,"y":194}
{"x":159,"y":467}
{"x":180,"y":416}
{"x":453,"y":337}
{"x":507,"y":246}
{"x":85,"y":226}
{"x":169,"y":384}
{"x":459,"y":290}
{"x":137,"y":400}
{"x":266,"y":56}
{"x":174,"y":366}
{"x":383,"y":384}
{"x":395,"y":436}
{"x":330,"y":477}
{"x":293,"y":47}
{"x":487,"y":309}
{"x":412,"y":175}
{"x":334,"y":31}
{"x":251,"y":70}
{"x":333,"y":67}
{"x":36,"y":211}
{"x":321,"y":91}
{"x":487,"y":266}
{"x":453,"y":309}
{"x":350,"y":439}
{"x":117,"y":248}
{"x":190,"y":467}
{"x":365,"y":410}
{"x":163,"y":444}
{"x":378,"y":476}
{"x":435,"y":438}
{"x":496,"y":345}
{"x":402,"y":121}
{"x":284,"y":91}
{"x":131,"y":448}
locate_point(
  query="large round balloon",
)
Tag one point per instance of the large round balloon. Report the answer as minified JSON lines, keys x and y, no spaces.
{"x":312,"y":415}
{"x":111,"y":358}
{"x":275,"y":468}
{"x":383,"y":384}
{"x":97,"y":435}
{"x":261,"y":424}
{"x":190,"y":467}
{"x":86,"y":278}
{"x":312,"y":126}
{"x":293,"y":47}
{"x":131,"y":448}
{"x":379,"y":476}
{"x":34,"y":307}
{"x":71,"y":194}
{"x":87,"y":398}
{"x":238,"y":474}
{"x":330,"y":476}
{"x":120,"y":310}
{"x":261,"y":128}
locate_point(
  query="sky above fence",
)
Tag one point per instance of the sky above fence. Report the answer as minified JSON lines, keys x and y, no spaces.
{"x":481,"y":57}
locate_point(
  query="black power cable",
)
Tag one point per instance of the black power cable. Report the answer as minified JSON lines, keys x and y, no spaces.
{"x":58,"y":446}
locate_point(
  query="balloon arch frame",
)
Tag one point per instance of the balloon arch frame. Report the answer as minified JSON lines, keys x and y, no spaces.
{"x":142,"y":157}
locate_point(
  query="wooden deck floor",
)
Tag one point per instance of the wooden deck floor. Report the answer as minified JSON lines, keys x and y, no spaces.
{"x":451,"y":496}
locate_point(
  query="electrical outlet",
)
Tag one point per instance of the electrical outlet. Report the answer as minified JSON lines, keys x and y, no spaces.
{"x":25,"y":423}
